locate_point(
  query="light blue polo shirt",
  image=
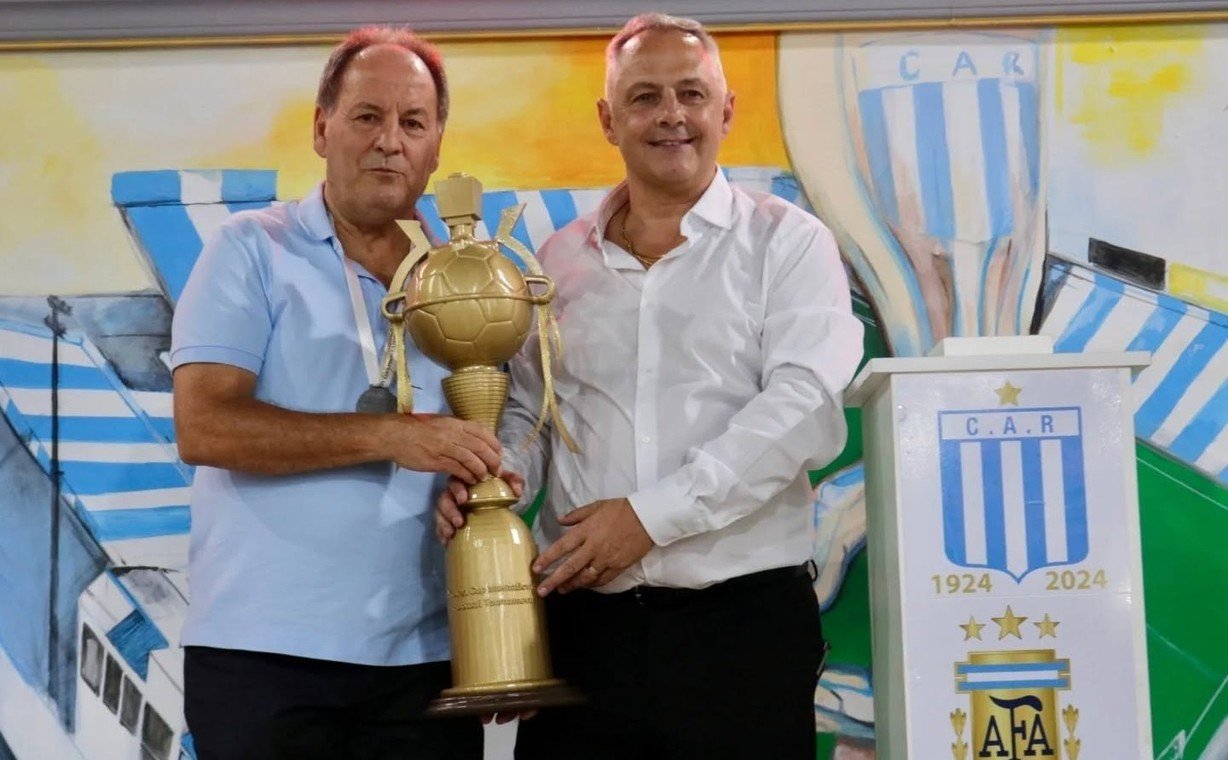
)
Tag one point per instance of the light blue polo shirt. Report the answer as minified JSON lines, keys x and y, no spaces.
{"x":338,"y":564}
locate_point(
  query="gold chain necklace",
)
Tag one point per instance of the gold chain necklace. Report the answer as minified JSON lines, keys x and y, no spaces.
{"x":645,"y":261}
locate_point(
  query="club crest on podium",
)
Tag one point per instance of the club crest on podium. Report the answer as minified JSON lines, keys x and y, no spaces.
{"x":1012,"y":481}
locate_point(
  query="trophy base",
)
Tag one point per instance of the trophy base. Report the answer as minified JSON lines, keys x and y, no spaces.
{"x":456,"y":703}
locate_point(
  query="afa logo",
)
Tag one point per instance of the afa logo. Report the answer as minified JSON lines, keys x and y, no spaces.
{"x":1014,"y":707}
{"x":1013,"y":490}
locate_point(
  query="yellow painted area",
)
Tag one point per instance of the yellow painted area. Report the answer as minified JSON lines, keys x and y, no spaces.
{"x":1199,"y":286}
{"x":286,"y":147}
{"x":50,"y":164}
{"x":524,"y":113}
{"x":524,"y":116}
{"x":1117,"y":83}
{"x":750,"y":67}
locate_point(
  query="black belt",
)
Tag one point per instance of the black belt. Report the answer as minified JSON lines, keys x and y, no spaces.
{"x":664,"y":596}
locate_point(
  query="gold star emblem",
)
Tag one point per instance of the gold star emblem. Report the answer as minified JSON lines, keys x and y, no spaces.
{"x":972,"y":629}
{"x":1007,"y":394}
{"x":1047,"y":627}
{"x":1009,"y":624}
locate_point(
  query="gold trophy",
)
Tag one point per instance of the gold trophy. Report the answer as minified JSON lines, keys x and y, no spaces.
{"x":468,"y":307}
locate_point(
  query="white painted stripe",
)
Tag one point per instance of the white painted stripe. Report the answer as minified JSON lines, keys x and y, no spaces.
{"x":536,"y":218}
{"x":155,"y":403}
{"x":962,"y":112}
{"x":587,"y":201}
{"x":900,"y":117}
{"x":1069,"y":298}
{"x":1164,"y":358}
{"x":966,"y":260}
{"x":1054,"y":494}
{"x":1024,"y":217}
{"x":134,"y":453}
{"x":1121,"y":325}
{"x":967,"y":160}
{"x":1139,"y":294}
{"x":1215,"y":458}
{"x":73,"y":403}
{"x":207,"y":218}
{"x":170,"y":552}
{"x":37,"y":349}
{"x":200,"y":187}
{"x":1013,"y":506}
{"x":108,"y":598}
{"x":975,"y":550}
{"x":482,"y":232}
{"x":154,"y":497}
{"x":1195,"y":397}
{"x":1016,"y":154}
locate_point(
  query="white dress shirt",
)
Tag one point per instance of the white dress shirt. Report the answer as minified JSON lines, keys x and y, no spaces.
{"x":702,"y":389}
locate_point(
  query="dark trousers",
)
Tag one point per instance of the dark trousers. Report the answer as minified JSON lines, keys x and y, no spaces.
{"x":724,"y":672}
{"x":259,"y":706}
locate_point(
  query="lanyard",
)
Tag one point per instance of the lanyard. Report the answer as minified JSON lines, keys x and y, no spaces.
{"x":366,"y":338}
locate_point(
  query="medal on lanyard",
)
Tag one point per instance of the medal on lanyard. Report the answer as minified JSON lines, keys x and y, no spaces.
{"x":377,"y":399}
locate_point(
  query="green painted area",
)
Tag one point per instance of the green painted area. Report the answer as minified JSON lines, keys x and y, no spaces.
{"x":1184,"y":520}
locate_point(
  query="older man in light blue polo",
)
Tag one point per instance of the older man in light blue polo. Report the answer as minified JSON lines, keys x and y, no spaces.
{"x":317,"y":625}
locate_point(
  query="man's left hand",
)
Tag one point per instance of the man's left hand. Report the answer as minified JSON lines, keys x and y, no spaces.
{"x":606,"y":538}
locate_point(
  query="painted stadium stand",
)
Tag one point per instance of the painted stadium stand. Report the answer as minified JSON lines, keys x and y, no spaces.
{"x":121,"y":472}
{"x":171,"y":213}
{"x":1181,"y":399}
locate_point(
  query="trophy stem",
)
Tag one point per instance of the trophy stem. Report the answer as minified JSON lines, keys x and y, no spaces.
{"x":477,"y":394}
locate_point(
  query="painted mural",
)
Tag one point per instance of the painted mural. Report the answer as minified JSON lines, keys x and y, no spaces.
{"x":979,"y":182}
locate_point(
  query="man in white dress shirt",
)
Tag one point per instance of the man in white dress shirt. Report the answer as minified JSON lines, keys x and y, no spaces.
{"x":708,"y":335}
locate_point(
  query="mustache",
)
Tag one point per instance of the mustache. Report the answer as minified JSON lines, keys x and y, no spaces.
{"x":376,"y":161}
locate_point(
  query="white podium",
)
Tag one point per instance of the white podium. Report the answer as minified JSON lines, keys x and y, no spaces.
{"x":1005,"y":570}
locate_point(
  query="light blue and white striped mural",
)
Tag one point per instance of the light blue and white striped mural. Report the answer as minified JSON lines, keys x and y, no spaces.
{"x":1181,"y":399}
{"x":171,"y":213}
{"x":121,"y":470}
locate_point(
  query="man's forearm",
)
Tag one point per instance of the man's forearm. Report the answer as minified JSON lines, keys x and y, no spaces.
{"x":254,"y":437}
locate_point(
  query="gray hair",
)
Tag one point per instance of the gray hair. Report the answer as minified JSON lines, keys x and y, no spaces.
{"x":648,"y":22}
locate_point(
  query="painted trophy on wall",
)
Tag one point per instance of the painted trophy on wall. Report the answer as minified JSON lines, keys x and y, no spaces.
{"x":923,"y":155}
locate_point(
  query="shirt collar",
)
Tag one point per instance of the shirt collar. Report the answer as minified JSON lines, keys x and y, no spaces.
{"x":313,"y":215}
{"x":715,"y":206}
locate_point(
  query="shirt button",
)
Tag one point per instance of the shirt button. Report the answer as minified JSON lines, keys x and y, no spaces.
{"x":646,"y":439}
